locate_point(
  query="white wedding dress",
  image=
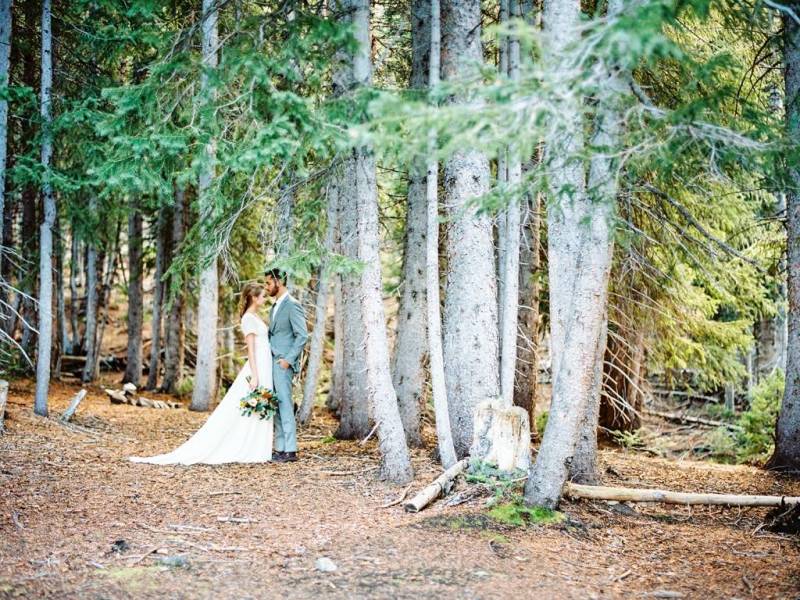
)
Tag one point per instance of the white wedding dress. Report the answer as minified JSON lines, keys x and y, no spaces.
{"x":227,"y":436}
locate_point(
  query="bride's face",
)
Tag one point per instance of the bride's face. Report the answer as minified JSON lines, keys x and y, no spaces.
{"x":261,"y":299}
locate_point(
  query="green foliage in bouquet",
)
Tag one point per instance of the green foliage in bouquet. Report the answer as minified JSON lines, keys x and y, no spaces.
{"x":260,"y":402}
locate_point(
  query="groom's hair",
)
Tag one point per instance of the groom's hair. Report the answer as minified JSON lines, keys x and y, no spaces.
{"x":276,"y":274}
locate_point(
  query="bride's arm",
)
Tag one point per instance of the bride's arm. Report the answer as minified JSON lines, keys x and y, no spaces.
{"x":250,"y":338}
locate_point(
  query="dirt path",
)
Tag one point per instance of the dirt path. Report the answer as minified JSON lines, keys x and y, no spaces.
{"x":79,"y":521}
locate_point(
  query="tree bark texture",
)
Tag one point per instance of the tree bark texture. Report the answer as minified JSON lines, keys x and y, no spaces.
{"x":133,"y":365}
{"x":787,"y":431}
{"x":410,"y":351}
{"x":163,"y":236}
{"x":5,"y":59}
{"x":470,"y":319}
{"x":174,"y":331}
{"x":360,"y":241}
{"x":527,"y":379}
{"x":90,"y":334}
{"x":48,"y":222}
{"x":205,"y":377}
{"x":315,"y":357}
{"x":579,"y":254}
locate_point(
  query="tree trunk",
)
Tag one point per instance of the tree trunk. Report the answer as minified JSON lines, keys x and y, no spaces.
{"x":174,"y":333}
{"x":62,"y":341}
{"x":470,"y":318}
{"x":320,"y":317}
{"x":509,"y":301}
{"x":336,"y":392}
{"x":29,"y":237}
{"x":74,"y":300}
{"x":361,"y":241}
{"x":787,"y":430}
{"x":105,"y":301}
{"x":579,"y":253}
{"x":163,"y":234}
{"x":357,"y":176}
{"x":133,"y":366}
{"x":528,"y":337}
{"x":5,"y":56}
{"x":46,"y":233}
{"x":284,"y":235}
{"x":584,"y":467}
{"x":444,"y":433}
{"x":410,"y":350}
{"x":90,"y":335}
{"x":205,"y":378}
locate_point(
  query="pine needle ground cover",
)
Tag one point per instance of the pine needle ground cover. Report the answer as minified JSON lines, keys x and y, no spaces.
{"x":79,"y":521}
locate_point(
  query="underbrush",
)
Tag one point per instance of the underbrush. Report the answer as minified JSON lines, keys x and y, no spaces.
{"x":754,"y":441}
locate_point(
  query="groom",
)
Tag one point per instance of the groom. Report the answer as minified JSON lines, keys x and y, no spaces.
{"x":287,"y":336}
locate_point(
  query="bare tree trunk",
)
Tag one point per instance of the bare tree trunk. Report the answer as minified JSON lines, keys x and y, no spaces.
{"x":470,"y":319}
{"x":335,"y":394}
{"x":410,"y":351}
{"x":74,"y":300}
{"x":444,"y":434}
{"x":361,"y":241}
{"x":133,"y":365}
{"x":205,"y":379}
{"x":320,"y":316}
{"x":46,"y":232}
{"x":528,"y":337}
{"x":174,"y":331}
{"x":90,"y":335}
{"x":579,"y":251}
{"x":62,"y":343}
{"x":5,"y":56}
{"x":584,"y":467}
{"x":787,"y":430}
{"x":354,"y":407}
{"x":105,"y":302}
{"x":29,"y":245}
{"x":509,"y":300}
{"x":163,"y":234}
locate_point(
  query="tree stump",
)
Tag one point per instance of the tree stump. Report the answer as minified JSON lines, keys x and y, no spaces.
{"x":502,"y":436}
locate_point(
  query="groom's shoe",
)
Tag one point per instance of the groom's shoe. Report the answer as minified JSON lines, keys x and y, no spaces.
{"x":278,"y":455}
{"x":284,"y":457}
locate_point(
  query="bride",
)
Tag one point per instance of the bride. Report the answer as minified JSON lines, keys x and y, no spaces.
{"x":227,"y":436}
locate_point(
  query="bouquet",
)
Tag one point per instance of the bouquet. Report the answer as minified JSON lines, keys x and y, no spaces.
{"x":260,"y":401}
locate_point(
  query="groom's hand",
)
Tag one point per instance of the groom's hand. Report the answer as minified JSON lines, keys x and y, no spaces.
{"x":283,"y":363}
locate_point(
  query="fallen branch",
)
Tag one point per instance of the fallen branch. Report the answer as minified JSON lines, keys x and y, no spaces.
{"x":437,"y":488}
{"x":399,"y":499}
{"x":698,"y":420}
{"x":369,"y":435}
{"x":73,"y":406}
{"x":619,"y":494}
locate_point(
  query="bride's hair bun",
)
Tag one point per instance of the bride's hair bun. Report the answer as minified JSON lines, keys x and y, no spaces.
{"x":250,"y":292}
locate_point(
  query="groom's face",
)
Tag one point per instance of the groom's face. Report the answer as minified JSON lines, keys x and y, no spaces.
{"x":271,"y":286}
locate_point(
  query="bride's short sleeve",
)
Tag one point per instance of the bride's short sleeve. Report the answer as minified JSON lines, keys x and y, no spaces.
{"x":248,"y":325}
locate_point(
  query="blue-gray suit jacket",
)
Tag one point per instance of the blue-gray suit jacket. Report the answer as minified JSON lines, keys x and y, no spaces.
{"x":288,"y":332}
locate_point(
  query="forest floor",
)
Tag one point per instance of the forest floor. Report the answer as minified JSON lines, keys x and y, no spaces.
{"x":79,"y":521}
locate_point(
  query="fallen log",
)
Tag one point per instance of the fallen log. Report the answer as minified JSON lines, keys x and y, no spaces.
{"x":620,"y":494}
{"x":689,"y":419}
{"x":3,"y":400}
{"x":437,"y":488}
{"x":73,"y":406}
